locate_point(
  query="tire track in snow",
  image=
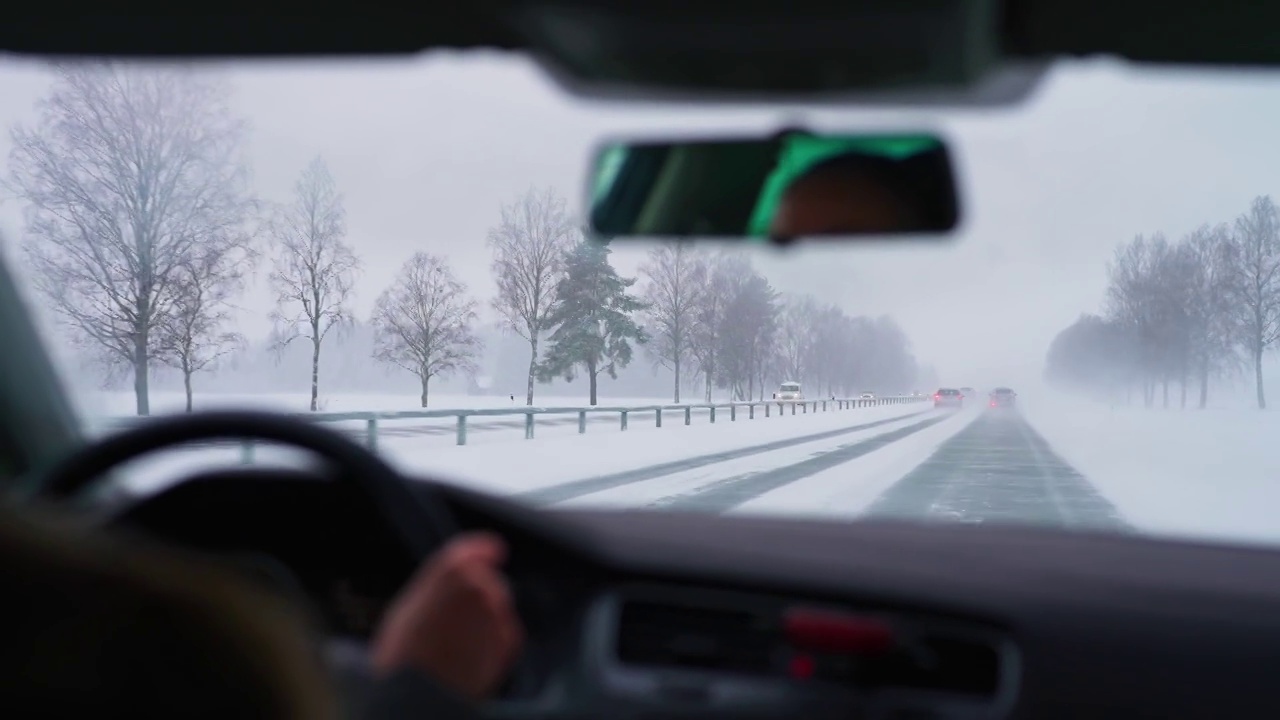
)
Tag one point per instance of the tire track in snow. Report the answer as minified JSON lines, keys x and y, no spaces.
{"x":724,"y":495}
{"x":577,"y":488}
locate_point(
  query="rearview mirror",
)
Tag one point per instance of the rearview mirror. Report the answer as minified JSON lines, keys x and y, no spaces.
{"x":792,"y":185}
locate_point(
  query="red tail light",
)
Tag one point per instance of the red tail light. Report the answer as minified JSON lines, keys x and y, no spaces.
{"x":937,"y":396}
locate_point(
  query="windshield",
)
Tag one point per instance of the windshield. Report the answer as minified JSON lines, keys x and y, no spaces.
{"x":396,"y":250}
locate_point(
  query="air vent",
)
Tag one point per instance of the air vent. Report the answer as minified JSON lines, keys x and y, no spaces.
{"x":942,"y":663}
{"x":672,"y":635}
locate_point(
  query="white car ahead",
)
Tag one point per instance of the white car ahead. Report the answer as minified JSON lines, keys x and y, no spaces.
{"x":789,"y":391}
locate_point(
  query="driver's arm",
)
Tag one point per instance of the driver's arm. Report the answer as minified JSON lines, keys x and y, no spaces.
{"x":449,"y":638}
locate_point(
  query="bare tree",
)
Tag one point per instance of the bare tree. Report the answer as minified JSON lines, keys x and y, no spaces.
{"x":1133,"y":303}
{"x":1095,"y":356}
{"x":747,"y":338}
{"x":1178,"y":312}
{"x":796,"y":341}
{"x":314,"y":268}
{"x":725,"y":273}
{"x":125,"y":174}
{"x":1255,"y":283}
{"x":1172,"y":282}
{"x":423,"y":322}
{"x":676,"y":275}
{"x":194,"y":335}
{"x":529,"y":245}
{"x":1212,"y":332}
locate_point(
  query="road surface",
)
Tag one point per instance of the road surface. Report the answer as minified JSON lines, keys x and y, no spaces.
{"x":996,"y":468}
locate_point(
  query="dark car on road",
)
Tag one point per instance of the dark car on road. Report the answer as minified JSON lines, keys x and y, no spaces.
{"x":948,"y":397}
{"x":1003,"y":397}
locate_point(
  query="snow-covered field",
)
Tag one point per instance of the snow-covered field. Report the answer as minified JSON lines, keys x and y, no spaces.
{"x":1213,"y":472}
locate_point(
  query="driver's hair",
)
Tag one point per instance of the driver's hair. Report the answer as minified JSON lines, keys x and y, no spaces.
{"x":908,"y":181}
{"x":859,"y":166}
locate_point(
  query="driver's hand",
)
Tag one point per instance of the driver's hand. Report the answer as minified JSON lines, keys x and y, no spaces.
{"x":455,"y":619}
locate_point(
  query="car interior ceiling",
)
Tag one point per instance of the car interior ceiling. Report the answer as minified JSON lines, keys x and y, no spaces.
{"x":1011,"y":621}
{"x":1188,"y":32}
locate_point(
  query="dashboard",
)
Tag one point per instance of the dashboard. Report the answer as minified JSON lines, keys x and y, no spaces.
{"x":671,"y":615}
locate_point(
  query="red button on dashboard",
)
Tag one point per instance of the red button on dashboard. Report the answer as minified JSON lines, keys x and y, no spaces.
{"x":802,"y":667}
{"x":826,"y":631}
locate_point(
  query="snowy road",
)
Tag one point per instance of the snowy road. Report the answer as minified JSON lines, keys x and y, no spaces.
{"x":998,"y":468}
{"x":911,"y":461}
{"x":988,"y":466}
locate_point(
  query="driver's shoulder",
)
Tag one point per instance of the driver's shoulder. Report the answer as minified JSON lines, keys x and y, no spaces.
{"x":138,"y":627}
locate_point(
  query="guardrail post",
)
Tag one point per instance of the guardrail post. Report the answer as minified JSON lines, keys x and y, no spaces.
{"x":528,"y":426}
{"x":688,"y":414}
{"x":657,"y":418}
{"x":624,"y":419}
{"x":793,"y":408}
{"x":462,"y":429}
{"x":733,"y":413}
{"x":246,"y":452}
{"x":751,"y":412}
{"x":371,"y":433}
{"x":582,"y":421}
{"x":713,"y":413}
{"x":766,"y":410}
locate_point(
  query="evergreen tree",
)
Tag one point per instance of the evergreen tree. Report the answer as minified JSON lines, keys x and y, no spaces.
{"x":593,"y":318}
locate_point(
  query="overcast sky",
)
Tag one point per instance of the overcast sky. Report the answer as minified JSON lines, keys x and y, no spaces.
{"x":427,"y":150}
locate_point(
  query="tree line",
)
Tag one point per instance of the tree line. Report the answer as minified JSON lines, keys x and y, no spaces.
{"x":142,"y":232}
{"x":1179,"y":314}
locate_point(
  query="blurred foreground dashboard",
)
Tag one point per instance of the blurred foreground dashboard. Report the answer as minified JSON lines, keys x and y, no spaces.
{"x":670,"y":615}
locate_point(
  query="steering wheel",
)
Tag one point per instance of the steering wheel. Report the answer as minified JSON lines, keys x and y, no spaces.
{"x":422,"y":521}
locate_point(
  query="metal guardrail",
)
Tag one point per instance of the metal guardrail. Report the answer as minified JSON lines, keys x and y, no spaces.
{"x":372,"y":419}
